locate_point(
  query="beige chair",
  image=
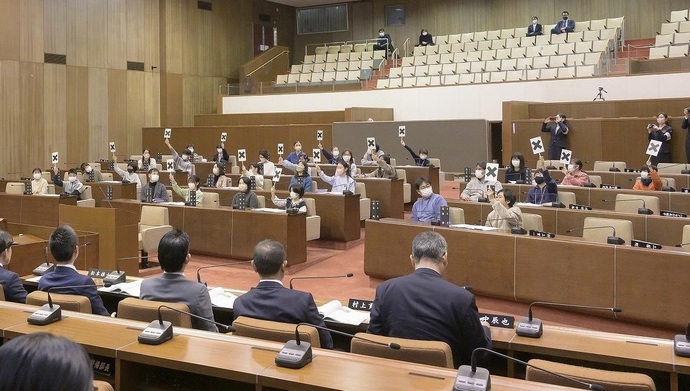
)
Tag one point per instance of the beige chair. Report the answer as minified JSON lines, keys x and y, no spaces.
{"x":441,"y":175}
{"x":686,"y":238}
{"x":51,"y":188}
{"x":87,"y":199}
{"x":261,"y":200}
{"x":274,"y":331}
{"x":407,"y":188}
{"x":650,"y":202}
{"x":364,"y":202}
{"x":66,"y":302}
{"x":147,"y":311}
{"x":624,"y":229}
{"x":457,"y":215}
{"x":268,"y":183}
{"x":210,"y":200}
{"x":606,"y":166}
{"x":15,"y":188}
{"x":435,"y":353}
{"x":610,"y":380}
{"x":2,"y":295}
{"x":566,"y":197}
{"x":554,"y":163}
{"x":671,"y":168}
{"x":99,"y":385}
{"x":154,"y":223}
{"x":170,"y":195}
{"x":108,"y":176}
{"x":595,"y":179}
{"x":532,"y":221}
{"x":668,"y":183}
{"x":313,"y":220}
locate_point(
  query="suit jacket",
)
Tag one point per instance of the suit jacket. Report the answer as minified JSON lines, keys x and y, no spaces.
{"x":422,"y":305}
{"x":66,"y":276}
{"x":12,"y":285}
{"x":270,"y":300}
{"x":568,"y":24}
{"x":532,"y":30}
{"x":176,"y":288}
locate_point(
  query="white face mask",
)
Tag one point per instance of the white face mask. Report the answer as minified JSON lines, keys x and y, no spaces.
{"x":346,"y":158}
{"x":423,"y":157}
{"x":516,"y":163}
{"x":336,"y":153}
{"x":72,"y":179}
{"x":192,"y":186}
{"x":216,"y":171}
{"x":185,"y":157}
{"x":479,"y":174}
{"x":219,"y":150}
{"x":424,"y":33}
{"x":37,"y":175}
{"x":381,"y":34}
{"x":340,"y":172}
{"x":191,"y":150}
{"x":426,"y":193}
{"x":293,"y":195}
{"x":644,"y":174}
{"x":89,"y":169}
{"x":571,"y":167}
{"x":154,"y":178}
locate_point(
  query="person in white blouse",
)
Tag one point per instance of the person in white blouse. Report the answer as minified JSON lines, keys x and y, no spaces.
{"x":341,"y":181}
{"x":130,"y":175}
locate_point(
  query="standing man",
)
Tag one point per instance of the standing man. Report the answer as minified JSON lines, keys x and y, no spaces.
{"x":422,"y":305}
{"x":270,"y":300}
{"x":535,"y":28}
{"x":558,"y":128}
{"x":564,"y":26}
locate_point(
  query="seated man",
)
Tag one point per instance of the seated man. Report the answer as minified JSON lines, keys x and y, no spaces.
{"x":9,"y":280}
{"x":564,"y":26}
{"x":385,"y":169}
{"x":173,"y":286}
{"x":72,"y":186}
{"x":428,"y":206}
{"x":64,"y":247}
{"x":270,"y":300}
{"x":424,"y":306}
{"x":154,"y":191}
{"x":91,"y":174}
{"x":477,"y":188}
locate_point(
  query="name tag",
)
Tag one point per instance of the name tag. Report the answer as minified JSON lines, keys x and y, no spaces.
{"x":98,"y":273}
{"x":360,"y":304}
{"x":579,"y":207}
{"x":541,"y":234}
{"x":643,"y":244}
{"x":502,"y":321}
{"x":669,"y":213}
{"x":605,"y":186}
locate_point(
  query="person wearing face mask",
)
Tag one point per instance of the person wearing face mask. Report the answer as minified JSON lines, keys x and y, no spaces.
{"x":545,"y":189}
{"x":505,"y":215}
{"x":574,"y":176}
{"x":301,"y":177}
{"x":294,"y":201}
{"x":72,"y":186}
{"x":9,"y":280}
{"x":154,"y":190}
{"x":219,"y":178}
{"x":341,"y":181}
{"x":253,"y":172}
{"x":146,"y":162}
{"x":422,"y":159}
{"x":368,"y":160}
{"x":649,"y":178}
{"x":347,"y":158}
{"x":686,"y":125}
{"x":535,"y":28}
{"x":385,"y":169}
{"x":182,"y":163}
{"x":566,"y":25}
{"x":192,"y":186}
{"x":558,"y":130}
{"x":332,"y":157}
{"x":250,"y":199}
{"x":516,"y":172}
{"x":221,"y":155}
{"x":130,"y":175}
{"x":38,"y":184}
{"x":661,"y":132}
{"x":477,"y":187}
{"x":428,"y":205}
{"x":193,"y":156}
{"x":266,"y":167}
{"x":425,"y":39}
{"x":384,"y":42}
{"x":293,"y":157}
{"x":90,"y":174}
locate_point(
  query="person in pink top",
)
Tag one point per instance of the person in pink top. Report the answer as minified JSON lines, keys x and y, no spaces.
{"x":574,"y":176}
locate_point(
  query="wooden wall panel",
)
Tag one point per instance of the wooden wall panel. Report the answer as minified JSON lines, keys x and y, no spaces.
{"x":117,"y":114}
{"x":152,"y":35}
{"x":55,"y":28}
{"x":31,"y":30}
{"x":98,"y":105}
{"x":76,"y":147}
{"x":136,"y":110}
{"x":10,"y":114}
{"x":9,"y":30}
{"x":97,"y":37}
{"x":152,"y":96}
{"x":77,"y":32}
{"x":31,"y":114}
{"x":116,"y":40}
{"x":55,"y":117}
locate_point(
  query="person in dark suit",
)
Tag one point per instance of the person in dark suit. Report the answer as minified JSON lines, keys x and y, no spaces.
{"x":64,"y":247}
{"x":270,"y":300}
{"x":558,"y":130}
{"x":173,"y":286}
{"x":384,"y":42}
{"x":423,"y":306}
{"x":566,"y":25}
{"x":11,"y":284}
{"x":535,"y":28}
{"x":425,"y":39}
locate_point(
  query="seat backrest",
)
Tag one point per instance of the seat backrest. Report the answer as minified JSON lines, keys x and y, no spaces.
{"x":610,"y":380}
{"x":153,"y":216}
{"x":402,"y":174}
{"x":108,"y":176}
{"x":274,"y":331}
{"x":435,"y":161}
{"x":435,"y":353}
{"x":566,"y":198}
{"x":624,"y":229}
{"x":147,"y":311}
{"x":650,"y":202}
{"x":2,"y":295}
{"x":686,"y":237}
{"x":361,"y":189}
{"x":668,"y":182}
{"x":602,"y":165}
{"x":15,"y":188}
{"x":554,"y":163}
{"x":532,"y":221}
{"x":86,"y":194}
{"x":66,"y":302}
{"x":211,"y":200}
{"x":457,"y":215}
{"x":595,"y":179}
{"x":99,"y":385}
{"x":261,"y":200}
{"x":311,"y":206}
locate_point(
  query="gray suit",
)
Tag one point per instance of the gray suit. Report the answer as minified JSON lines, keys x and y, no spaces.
{"x":176,"y":288}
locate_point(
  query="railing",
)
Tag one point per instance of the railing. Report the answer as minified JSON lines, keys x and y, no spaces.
{"x":267,"y":62}
{"x":339,"y":43}
{"x":227,"y":88}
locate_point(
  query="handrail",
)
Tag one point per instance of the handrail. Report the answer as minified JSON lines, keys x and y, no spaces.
{"x":267,"y":62}
{"x":406,"y":45}
{"x":356,"y":41}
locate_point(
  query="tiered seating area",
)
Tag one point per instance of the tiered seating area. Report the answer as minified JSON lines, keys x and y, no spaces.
{"x":674,"y":38}
{"x":509,"y":55}
{"x":339,"y":64}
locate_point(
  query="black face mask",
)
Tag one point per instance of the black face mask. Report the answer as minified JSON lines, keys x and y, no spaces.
{"x":130,"y":170}
{"x":565,"y":18}
{"x":539,"y":180}
{"x":646,"y":181}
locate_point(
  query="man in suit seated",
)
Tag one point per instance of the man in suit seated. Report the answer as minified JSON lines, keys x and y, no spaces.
{"x":64,"y":247}
{"x":424,"y":306}
{"x":535,"y":28}
{"x":10,"y":282}
{"x":270,"y":300}
{"x":173,"y":286}
{"x":564,"y":26}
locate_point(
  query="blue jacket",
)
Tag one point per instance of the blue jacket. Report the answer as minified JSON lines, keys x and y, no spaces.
{"x":66,"y":276}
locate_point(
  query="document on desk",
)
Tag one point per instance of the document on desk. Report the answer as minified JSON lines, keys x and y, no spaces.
{"x":126,"y":288}
{"x":335,"y":311}
{"x":221,"y":298}
{"x":474,"y":227}
{"x":274,"y":210}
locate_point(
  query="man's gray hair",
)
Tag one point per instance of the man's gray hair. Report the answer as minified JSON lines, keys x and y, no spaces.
{"x":430,"y":246}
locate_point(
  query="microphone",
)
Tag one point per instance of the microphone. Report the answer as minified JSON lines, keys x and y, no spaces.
{"x":640,"y":211}
{"x":682,"y":244}
{"x":296,"y":353}
{"x":609,"y":240}
{"x":117,"y":276}
{"x":348,"y":275}
{"x":49,"y":313}
{"x":45,"y":267}
{"x":613,"y":167}
{"x":533,"y":327}
{"x":681,"y":344}
{"x":198,"y":274}
{"x":513,"y":230}
{"x":472,"y":378}
{"x":159,"y":331}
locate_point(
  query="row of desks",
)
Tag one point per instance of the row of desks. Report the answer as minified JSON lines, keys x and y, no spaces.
{"x":196,"y":359}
